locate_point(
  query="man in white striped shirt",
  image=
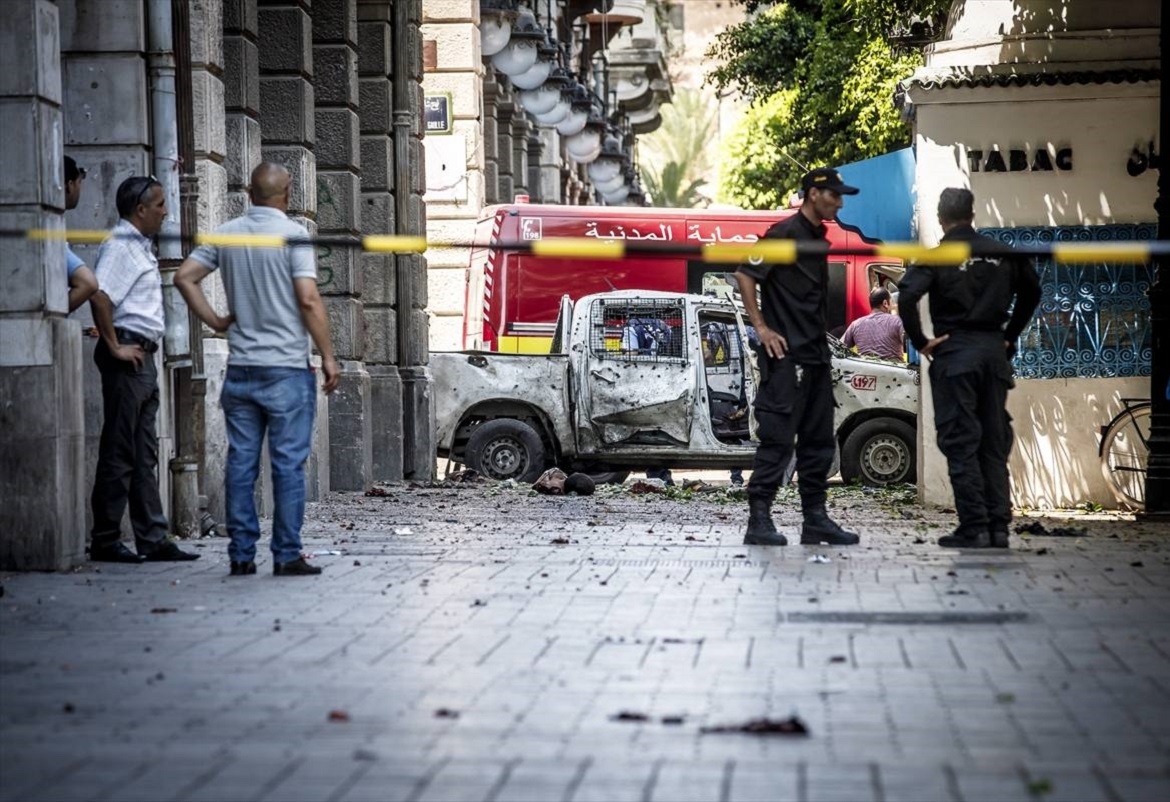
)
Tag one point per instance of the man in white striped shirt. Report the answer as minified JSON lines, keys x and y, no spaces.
{"x":128,"y":313}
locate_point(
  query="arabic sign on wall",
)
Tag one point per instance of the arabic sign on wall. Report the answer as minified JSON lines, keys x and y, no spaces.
{"x":437,"y":114}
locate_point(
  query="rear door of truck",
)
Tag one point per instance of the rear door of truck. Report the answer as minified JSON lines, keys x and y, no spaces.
{"x":634,"y":381}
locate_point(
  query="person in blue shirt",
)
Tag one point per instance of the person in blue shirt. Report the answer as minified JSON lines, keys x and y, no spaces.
{"x":82,"y":282}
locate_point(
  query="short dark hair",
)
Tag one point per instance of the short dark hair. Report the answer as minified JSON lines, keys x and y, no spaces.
{"x":878,"y":297}
{"x":72,"y":171}
{"x":956,"y":205}
{"x":130,"y":193}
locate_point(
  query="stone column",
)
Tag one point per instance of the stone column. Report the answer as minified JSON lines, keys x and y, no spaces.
{"x":203,"y":185}
{"x":338,"y":158}
{"x":42,"y":466}
{"x":375,"y":45}
{"x":552,"y":185}
{"x":535,"y":189}
{"x":287,"y":121}
{"x":491,"y":141}
{"x":241,"y":96}
{"x":234,"y":128}
{"x":506,"y":112}
{"x":520,"y":128}
{"x":106,"y":129}
{"x":418,"y":452}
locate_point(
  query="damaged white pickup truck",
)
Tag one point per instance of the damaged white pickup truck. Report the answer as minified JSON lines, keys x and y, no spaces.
{"x":639,"y":380}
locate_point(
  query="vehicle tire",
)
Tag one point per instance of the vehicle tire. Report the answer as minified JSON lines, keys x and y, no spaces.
{"x":880,"y":452}
{"x":506,"y":448}
{"x":609,"y":477}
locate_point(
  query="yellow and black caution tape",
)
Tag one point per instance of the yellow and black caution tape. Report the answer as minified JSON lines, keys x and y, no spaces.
{"x":770,"y":251}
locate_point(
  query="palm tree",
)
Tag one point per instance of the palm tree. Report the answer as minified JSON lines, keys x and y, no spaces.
{"x":666,"y":188}
{"x":673,"y":159}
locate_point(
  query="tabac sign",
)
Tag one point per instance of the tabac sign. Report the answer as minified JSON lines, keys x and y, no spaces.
{"x":1020,"y":160}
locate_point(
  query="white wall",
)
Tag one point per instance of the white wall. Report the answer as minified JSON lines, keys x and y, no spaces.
{"x":1054,"y":463}
{"x":1101,"y":130}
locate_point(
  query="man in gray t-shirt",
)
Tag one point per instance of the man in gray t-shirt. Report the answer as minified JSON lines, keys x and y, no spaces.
{"x":274,"y":308}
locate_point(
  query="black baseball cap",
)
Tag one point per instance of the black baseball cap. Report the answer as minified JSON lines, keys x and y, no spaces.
{"x":826,"y":178}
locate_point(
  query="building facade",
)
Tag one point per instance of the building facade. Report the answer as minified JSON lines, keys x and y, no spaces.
{"x":600,"y":68}
{"x":1049,"y":113}
{"x":197,"y":92}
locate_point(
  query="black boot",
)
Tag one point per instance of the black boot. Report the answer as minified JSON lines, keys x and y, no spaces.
{"x":819,"y":528}
{"x":967,"y":539}
{"x":760,"y":529}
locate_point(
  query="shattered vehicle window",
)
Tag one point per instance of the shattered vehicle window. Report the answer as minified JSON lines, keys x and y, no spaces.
{"x":638,"y":331}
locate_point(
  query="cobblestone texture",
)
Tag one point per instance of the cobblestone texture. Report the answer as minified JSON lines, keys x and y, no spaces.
{"x":475,"y":643}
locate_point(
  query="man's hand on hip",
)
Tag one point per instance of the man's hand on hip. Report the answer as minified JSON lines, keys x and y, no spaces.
{"x":129,"y":353}
{"x":934,"y":342}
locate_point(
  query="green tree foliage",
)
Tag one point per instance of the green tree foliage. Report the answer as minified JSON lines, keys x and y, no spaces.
{"x":674,"y":159}
{"x":821,"y":75}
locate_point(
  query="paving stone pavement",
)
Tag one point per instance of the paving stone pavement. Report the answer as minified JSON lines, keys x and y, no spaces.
{"x":473,"y":642}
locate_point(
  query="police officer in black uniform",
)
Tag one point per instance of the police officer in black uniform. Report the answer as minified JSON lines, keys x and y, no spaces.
{"x":970,"y":371}
{"x":795,"y":399}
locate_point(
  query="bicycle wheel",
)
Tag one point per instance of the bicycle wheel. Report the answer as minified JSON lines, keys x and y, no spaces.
{"x":1125,"y":453}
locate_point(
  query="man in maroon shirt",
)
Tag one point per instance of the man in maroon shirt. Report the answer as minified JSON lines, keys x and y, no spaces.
{"x":879,"y":333}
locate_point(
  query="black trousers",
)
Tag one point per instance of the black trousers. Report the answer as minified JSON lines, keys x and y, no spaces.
{"x":969,"y":382}
{"x":127,"y":467}
{"x":794,"y":413}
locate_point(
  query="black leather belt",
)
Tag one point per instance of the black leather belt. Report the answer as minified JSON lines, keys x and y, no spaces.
{"x":134,"y":338}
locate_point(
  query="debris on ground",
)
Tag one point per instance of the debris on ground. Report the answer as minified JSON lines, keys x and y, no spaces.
{"x":338,"y":715}
{"x":629,"y":715}
{"x":446,"y":712}
{"x":551,"y":482}
{"x":819,"y":558}
{"x":403,"y":530}
{"x":1040,"y":530}
{"x":325,"y":553}
{"x":158,"y":610}
{"x":465,"y":476}
{"x":580,"y":483}
{"x":378,"y":491}
{"x":762,"y":726}
{"x":644,"y":486}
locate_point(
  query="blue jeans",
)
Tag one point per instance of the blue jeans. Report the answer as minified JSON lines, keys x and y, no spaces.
{"x":283,"y":402}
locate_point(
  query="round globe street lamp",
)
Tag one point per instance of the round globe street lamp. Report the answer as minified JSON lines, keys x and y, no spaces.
{"x":495,"y":25}
{"x":539,"y":72}
{"x":523,"y":48}
{"x":609,"y":162}
{"x":543,"y":98}
{"x":578,"y":116}
{"x":618,"y":196}
{"x":559,"y":111}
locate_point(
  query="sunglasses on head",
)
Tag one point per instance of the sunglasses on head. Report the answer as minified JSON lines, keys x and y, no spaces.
{"x":151,"y":181}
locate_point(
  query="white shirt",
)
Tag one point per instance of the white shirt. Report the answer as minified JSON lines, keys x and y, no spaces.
{"x":127,"y":272}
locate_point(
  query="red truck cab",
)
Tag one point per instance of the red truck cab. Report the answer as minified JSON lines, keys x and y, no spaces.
{"x":513,"y":296}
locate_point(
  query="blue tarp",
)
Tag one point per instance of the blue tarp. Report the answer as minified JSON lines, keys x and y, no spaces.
{"x":885,"y":207}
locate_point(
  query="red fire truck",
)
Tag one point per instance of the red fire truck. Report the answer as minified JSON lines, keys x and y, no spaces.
{"x":513,"y":296}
